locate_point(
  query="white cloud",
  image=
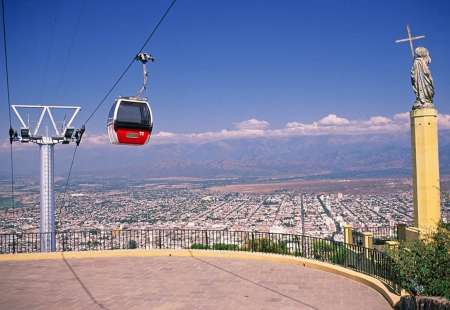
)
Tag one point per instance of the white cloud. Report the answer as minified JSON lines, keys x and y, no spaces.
{"x":252,"y":124}
{"x":379,"y":120}
{"x":95,"y":139}
{"x":444,"y":121}
{"x":333,"y":120}
{"x":164,"y":134}
{"x":328,"y":125}
{"x":253,"y":128}
{"x":402,"y":116}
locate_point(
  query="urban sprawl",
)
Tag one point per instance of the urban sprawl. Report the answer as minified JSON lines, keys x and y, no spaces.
{"x":194,"y":206}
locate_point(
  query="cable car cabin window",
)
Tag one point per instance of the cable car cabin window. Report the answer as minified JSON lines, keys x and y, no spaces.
{"x":133,"y":115}
{"x":111,"y":114}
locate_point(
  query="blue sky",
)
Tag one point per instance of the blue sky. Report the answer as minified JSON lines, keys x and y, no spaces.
{"x":222,"y":62}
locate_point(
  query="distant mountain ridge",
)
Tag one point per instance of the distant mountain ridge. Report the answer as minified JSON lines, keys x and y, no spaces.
{"x":371,"y":155}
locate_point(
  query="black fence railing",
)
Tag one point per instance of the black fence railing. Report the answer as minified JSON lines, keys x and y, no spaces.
{"x":357,"y":238}
{"x":383,"y":233}
{"x":353,"y":256}
{"x":380,"y":234}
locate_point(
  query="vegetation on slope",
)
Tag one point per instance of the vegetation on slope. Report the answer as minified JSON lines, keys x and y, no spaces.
{"x":424,"y":265}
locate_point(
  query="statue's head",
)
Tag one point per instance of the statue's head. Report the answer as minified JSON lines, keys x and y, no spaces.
{"x":422,"y":52}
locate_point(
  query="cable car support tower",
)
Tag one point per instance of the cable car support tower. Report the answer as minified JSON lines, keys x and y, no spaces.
{"x":64,"y":135}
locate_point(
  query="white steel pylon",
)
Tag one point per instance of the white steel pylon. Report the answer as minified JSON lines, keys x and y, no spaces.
{"x":64,"y":135}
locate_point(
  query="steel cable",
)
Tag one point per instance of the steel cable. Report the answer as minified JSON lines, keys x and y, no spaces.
{"x":131,"y":62}
{"x":66,"y":59}
{"x":102,"y":101}
{"x":62,"y":205}
{"x":5,"y":49}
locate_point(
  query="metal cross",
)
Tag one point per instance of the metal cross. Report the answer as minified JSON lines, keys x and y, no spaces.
{"x":410,"y":39}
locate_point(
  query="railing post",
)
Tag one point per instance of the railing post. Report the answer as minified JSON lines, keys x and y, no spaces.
{"x":367,"y":243}
{"x":159,"y":239}
{"x":112,"y":240}
{"x":401,"y":232}
{"x":348,"y":234}
{"x":63,"y":242}
{"x":14,"y":243}
{"x":368,"y":240}
{"x":392,"y":245}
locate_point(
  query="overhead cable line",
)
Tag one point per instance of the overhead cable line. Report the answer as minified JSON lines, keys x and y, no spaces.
{"x":11,"y":131}
{"x":66,"y":59}
{"x":49,"y":48}
{"x":131,"y":61}
{"x":62,"y":205}
{"x":149,"y":37}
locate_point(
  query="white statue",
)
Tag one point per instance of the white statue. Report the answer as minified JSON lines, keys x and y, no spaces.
{"x":421,"y":79}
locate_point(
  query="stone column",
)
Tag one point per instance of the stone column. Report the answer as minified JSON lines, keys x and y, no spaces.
{"x":367,"y":243}
{"x":412,"y":233}
{"x":401,"y":232}
{"x":392,"y":245}
{"x":368,"y":240}
{"x":425,"y":162}
{"x":348,"y":234}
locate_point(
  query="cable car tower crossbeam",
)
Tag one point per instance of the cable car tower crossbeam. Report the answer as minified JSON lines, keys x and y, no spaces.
{"x":46,"y":144}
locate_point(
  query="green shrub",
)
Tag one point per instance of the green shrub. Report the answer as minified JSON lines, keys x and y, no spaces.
{"x":266,"y":245}
{"x":94,"y":231}
{"x":132,"y":244}
{"x":225,"y":247}
{"x":199,"y":246}
{"x":339,"y":257}
{"x":93,"y":243}
{"x":298,"y":253}
{"x":329,"y":251}
{"x":377,"y":241}
{"x":424,"y":265}
{"x":446,"y":225}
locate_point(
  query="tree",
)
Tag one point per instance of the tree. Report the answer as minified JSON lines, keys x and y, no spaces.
{"x":424,"y":265}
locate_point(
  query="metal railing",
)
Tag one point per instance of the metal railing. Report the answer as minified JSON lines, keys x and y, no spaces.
{"x":383,"y":233}
{"x":357,"y":238}
{"x":356,"y":257}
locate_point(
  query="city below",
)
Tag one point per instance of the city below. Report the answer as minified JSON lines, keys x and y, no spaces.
{"x":290,"y":205}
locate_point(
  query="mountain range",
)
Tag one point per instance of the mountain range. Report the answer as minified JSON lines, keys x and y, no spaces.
{"x":368,"y":155}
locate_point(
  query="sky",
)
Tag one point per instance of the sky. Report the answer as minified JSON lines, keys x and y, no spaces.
{"x":221,"y":65}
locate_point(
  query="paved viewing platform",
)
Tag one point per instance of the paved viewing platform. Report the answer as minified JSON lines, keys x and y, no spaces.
{"x":64,"y":281}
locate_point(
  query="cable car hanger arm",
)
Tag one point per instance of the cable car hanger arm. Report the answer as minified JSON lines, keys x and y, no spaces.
{"x":144,"y":58}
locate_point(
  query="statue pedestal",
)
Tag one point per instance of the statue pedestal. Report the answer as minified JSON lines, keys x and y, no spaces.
{"x":425,"y":159}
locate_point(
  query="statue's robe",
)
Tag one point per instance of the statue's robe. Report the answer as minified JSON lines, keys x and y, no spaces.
{"x":422,"y":82}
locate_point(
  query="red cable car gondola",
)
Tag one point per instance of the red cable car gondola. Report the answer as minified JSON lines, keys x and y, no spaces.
{"x":130,"y":119}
